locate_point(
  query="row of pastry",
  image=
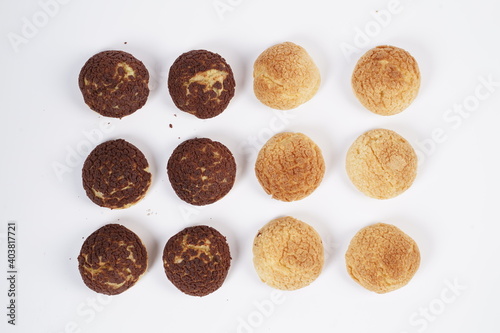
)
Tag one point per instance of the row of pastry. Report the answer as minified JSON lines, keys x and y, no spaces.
{"x":386,"y":80}
{"x":288,"y":254}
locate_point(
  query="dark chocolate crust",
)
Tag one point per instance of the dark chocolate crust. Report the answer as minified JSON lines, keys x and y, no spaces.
{"x":116,"y":174}
{"x":197,"y":260}
{"x":112,"y":259}
{"x":201,"y":171}
{"x":200,"y":82}
{"x":114,"y":83}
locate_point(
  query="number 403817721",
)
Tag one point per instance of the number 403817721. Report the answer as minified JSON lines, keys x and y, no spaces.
{"x":11,"y":245}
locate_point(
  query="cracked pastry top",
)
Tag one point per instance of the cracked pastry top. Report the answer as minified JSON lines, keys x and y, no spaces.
{"x":201,"y":171}
{"x":201,"y":83}
{"x":288,"y":254}
{"x":386,"y":80}
{"x":116,"y":174}
{"x":381,"y":164}
{"x":197,"y":260}
{"x":382,"y":258}
{"x":285,"y":76}
{"x":290,"y":166}
{"x":112,"y":259}
{"x":114,"y":83}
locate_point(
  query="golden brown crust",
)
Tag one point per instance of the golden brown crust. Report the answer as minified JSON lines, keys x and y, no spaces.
{"x":382,"y":258}
{"x":285,"y":76}
{"x":381,"y":164}
{"x":288,"y":254}
{"x":290,"y":166}
{"x":386,"y":80}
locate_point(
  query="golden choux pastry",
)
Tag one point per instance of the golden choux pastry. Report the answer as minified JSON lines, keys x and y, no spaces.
{"x":382,"y":258}
{"x":288,"y":254}
{"x":386,"y":80}
{"x":290,"y":166}
{"x":285,"y":76}
{"x":381,"y":164}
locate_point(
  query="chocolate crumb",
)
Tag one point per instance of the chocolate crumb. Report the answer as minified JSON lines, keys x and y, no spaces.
{"x":116,"y":174}
{"x":114,"y":83}
{"x":201,"y":171}
{"x":196,"y":260}
{"x":201,"y":83}
{"x":112,"y":259}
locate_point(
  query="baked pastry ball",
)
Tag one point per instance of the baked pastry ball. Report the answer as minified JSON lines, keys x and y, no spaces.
{"x":114,"y":83}
{"x":112,"y":259}
{"x":382,"y":258}
{"x":381,"y":164}
{"x":116,"y":174}
{"x":201,"y":82}
{"x":285,"y":76}
{"x":386,"y":80}
{"x":290,"y":166}
{"x":201,"y":171}
{"x":197,"y":260}
{"x":288,"y":254}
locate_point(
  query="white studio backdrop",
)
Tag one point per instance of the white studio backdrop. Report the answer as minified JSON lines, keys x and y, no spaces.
{"x":450,"y":211}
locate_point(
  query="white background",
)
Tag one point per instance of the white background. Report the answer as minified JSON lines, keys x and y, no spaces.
{"x":451,"y":210}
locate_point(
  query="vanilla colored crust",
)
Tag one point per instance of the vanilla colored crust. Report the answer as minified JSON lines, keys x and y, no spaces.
{"x":381,"y":164}
{"x":288,"y":254}
{"x":290,"y":166}
{"x":382,"y":258}
{"x":386,"y":80}
{"x":285,"y":76}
